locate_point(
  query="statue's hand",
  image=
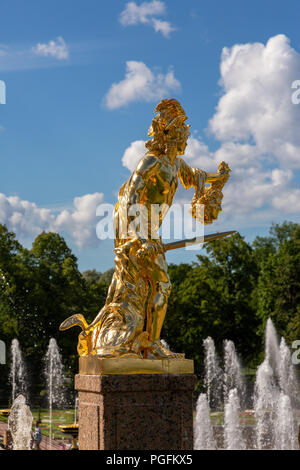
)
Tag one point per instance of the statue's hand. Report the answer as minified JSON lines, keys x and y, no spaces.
{"x":224,"y":170}
{"x":221,"y":176}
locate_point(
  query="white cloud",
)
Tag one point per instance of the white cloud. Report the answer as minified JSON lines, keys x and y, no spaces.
{"x":258,"y":129}
{"x":140,"y":84}
{"x":163,"y":27}
{"x":197,"y":154}
{"x":238,"y":155}
{"x":80,"y":222}
{"x":27,"y":220}
{"x":134,"y":14}
{"x":57,"y":49}
{"x":145,"y":13}
{"x":24,"y":217}
{"x":290,"y":203}
{"x":256,"y":104}
{"x":133,"y":154}
{"x":280,"y":177}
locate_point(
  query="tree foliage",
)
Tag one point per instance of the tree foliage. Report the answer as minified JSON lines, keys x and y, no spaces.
{"x":279,"y":283}
{"x":214,"y":298}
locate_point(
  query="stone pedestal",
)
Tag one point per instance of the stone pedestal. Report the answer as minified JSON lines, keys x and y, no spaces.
{"x":135,"y":411}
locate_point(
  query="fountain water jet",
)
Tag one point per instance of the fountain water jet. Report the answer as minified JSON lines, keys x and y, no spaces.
{"x":18,"y":372}
{"x":266,"y":395}
{"x":276,"y":393}
{"x":272,"y":354}
{"x":204,"y":439}
{"x":285,"y":425}
{"x":287,"y":375}
{"x":233,"y":439}
{"x":233,"y":378}
{"x":76,"y":410}
{"x":55,"y":380}
{"x":213,"y":374}
{"x":276,"y":398}
{"x":20,"y":424}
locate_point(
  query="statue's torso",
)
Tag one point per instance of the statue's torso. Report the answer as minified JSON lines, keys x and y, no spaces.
{"x":153,"y":185}
{"x":156,"y":187}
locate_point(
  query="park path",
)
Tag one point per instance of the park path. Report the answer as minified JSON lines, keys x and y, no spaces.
{"x":55,"y":445}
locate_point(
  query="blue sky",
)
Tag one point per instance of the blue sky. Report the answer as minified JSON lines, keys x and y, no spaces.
{"x":64,"y":129}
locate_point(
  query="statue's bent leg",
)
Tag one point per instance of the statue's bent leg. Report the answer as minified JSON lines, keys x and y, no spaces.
{"x":157,"y":308}
{"x":117,"y":330}
{"x":120,"y":326}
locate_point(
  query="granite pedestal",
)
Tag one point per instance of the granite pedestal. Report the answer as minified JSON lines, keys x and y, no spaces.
{"x":135,"y":411}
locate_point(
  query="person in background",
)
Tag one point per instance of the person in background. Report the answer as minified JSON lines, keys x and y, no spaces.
{"x":37,"y":436}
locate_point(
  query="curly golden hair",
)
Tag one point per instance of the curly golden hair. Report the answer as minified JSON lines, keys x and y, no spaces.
{"x":168,"y":126}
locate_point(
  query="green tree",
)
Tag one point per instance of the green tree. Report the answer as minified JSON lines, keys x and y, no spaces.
{"x":279,"y":284}
{"x":91,"y":275}
{"x":214,"y":298}
{"x":39,"y":289}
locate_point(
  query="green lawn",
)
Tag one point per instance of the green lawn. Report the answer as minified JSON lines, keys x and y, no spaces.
{"x":58,"y":417}
{"x":217,"y":418}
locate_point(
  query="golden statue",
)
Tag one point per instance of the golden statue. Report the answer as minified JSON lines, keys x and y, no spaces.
{"x":131,"y":320}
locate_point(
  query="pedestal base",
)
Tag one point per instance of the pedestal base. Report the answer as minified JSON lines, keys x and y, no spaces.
{"x":135,"y":411}
{"x":95,"y":365}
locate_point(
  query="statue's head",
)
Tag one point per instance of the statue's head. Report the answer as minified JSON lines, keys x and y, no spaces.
{"x":168,"y":128}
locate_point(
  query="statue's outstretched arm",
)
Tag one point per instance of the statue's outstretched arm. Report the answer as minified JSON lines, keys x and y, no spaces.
{"x":190,"y":177}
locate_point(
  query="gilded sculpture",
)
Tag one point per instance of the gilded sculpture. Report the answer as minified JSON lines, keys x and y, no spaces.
{"x":129,"y":324}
